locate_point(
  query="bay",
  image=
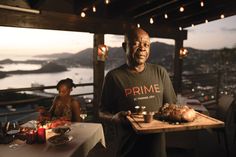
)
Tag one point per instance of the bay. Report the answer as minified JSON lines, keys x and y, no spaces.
{"x":78,"y":75}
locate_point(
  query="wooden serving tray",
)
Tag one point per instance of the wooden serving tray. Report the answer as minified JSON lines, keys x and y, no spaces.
{"x":201,"y":122}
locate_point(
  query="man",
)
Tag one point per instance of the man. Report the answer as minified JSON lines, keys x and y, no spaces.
{"x":136,"y":83}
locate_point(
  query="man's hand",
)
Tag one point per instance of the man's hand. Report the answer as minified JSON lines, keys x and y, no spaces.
{"x":120,"y":117}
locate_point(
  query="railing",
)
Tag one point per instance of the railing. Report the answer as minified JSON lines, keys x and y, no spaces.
{"x":34,"y":100}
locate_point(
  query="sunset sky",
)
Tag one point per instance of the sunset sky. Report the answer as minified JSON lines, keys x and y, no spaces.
{"x":20,"y":41}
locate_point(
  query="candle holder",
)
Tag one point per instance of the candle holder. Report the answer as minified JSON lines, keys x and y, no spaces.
{"x":140,"y":109}
{"x":41,"y":135}
{"x":148,"y":117}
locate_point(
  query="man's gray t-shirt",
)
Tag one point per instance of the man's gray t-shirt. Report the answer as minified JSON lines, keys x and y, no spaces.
{"x":123,"y":90}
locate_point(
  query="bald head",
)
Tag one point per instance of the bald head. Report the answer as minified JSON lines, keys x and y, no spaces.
{"x":137,"y":48}
{"x":134,"y":33}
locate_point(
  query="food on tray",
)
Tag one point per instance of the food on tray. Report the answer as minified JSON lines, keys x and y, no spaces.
{"x":60,"y":139}
{"x":176,"y":113}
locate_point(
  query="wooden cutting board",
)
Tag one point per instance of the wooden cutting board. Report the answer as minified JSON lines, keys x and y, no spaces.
{"x":201,"y":122}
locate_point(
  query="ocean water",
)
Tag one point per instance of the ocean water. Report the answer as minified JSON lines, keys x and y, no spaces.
{"x":10,"y":67}
{"x":79,"y":75}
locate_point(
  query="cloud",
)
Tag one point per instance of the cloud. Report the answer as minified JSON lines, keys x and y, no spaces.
{"x":114,"y":40}
{"x":228,"y":29}
{"x":191,"y":30}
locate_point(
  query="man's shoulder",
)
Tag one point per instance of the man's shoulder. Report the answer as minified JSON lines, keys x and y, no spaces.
{"x":156,"y":67}
{"x":116,"y":70}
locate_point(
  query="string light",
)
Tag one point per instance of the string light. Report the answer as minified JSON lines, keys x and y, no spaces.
{"x":202,"y":4}
{"x":166,"y":16}
{"x":94,"y":9}
{"x":151,"y":20}
{"x":206,"y":21}
{"x":107,"y":1}
{"x":138,"y":25}
{"x":82,"y":14}
{"x":222,"y":16}
{"x":181,"y":9}
{"x":180,"y":28}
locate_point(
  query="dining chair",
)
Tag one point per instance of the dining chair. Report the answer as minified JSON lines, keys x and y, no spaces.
{"x":224,"y":112}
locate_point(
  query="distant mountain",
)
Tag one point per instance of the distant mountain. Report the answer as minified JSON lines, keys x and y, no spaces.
{"x":50,"y":67}
{"x":6,"y":61}
{"x":160,"y":53}
{"x":2,"y":74}
{"x":85,"y":58}
{"x":31,"y":61}
{"x":55,"y":55}
{"x":197,"y":61}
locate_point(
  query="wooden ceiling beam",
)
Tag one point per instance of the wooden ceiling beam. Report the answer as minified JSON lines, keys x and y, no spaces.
{"x":154,"y":8}
{"x":210,"y":13}
{"x":34,"y":4}
{"x":163,"y":8}
{"x":141,"y":5}
{"x":165,"y":32}
{"x":121,"y":8}
{"x":72,"y":22}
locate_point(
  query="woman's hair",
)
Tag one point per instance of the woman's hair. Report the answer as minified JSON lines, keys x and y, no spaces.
{"x":68,"y":82}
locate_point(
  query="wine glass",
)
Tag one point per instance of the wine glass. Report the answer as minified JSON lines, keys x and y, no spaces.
{"x":12,"y":128}
{"x":83,"y":114}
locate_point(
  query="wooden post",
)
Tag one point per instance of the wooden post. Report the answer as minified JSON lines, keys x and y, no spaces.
{"x":178,"y":63}
{"x":219,"y":73}
{"x":98,"y":73}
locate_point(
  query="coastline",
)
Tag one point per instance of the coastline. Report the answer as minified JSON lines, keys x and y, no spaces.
{"x":47,"y":68}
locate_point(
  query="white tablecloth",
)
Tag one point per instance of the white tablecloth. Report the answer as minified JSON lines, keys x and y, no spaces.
{"x":85,"y":137}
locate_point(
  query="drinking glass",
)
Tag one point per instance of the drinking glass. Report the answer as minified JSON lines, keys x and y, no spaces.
{"x":12,"y":128}
{"x":83,"y":114}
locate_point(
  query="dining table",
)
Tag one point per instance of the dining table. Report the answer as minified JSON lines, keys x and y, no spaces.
{"x":84,"y":137}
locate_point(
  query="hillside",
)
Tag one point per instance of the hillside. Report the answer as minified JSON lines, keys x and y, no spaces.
{"x":197,"y":61}
{"x":163,"y":54}
{"x":50,"y":67}
{"x":160,"y":53}
{"x":55,"y":55}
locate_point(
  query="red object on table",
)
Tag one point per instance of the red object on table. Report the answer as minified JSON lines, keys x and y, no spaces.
{"x":31,"y":136}
{"x":41,"y":135}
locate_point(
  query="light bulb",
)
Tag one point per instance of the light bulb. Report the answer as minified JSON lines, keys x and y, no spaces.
{"x":82,"y":14}
{"x":94,"y":9}
{"x":166,"y":16}
{"x":151,"y":20}
{"x":181,"y":9}
{"x":202,"y":4}
{"x":107,"y":1}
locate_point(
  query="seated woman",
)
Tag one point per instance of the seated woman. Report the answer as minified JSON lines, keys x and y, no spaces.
{"x":64,"y":105}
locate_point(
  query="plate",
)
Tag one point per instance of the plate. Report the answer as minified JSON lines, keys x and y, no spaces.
{"x":61,"y":129}
{"x":60,"y":139}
